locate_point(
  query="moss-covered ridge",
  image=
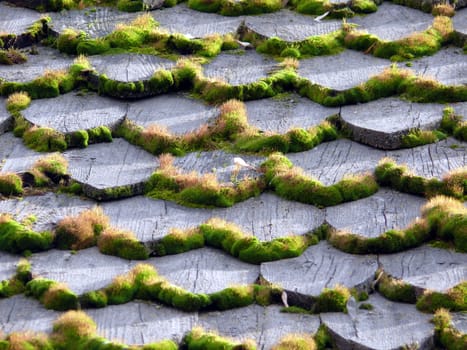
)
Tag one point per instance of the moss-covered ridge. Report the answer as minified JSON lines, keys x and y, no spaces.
{"x":454,"y":299}
{"x":442,"y":218}
{"x":75,"y":329}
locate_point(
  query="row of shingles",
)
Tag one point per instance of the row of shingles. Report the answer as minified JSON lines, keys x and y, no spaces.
{"x":318,"y":268}
{"x":206,"y":270}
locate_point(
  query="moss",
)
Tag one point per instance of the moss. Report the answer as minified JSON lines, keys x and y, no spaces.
{"x":78,"y":139}
{"x":122,"y":244}
{"x":419,"y":137}
{"x":162,"y":81}
{"x":44,"y":139}
{"x":178,"y":241}
{"x":10,"y":184}
{"x":68,"y":41}
{"x":332,"y":300}
{"x":356,"y":187}
{"x":297,"y":342}
{"x":233,"y":297}
{"x":100,"y":134}
{"x":17,"y":238}
{"x":205,"y":5}
{"x":130,"y":5}
{"x":12,"y":56}
{"x":198,"y":339}
{"x":93,"y":299}
{"x":363,"y":6}
{"x":313,"y":7}
{"x":17,"y":102}
{"x":53,"y":295}
{"x":396,"y":290}
{"x":455,"y":299}
{"x":92,"y":47}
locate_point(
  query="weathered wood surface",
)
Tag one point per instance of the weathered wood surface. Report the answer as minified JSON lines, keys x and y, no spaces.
{"x":433,"y":160}
{"x":45,"y":58}
{"x":14,"y":20}
{"x":342,"y":71}
{"x":205,"y":270}
{"x":388,"y":326}
{"x":219,"y":163}
{"x":383,"y":122}
{"x":445,"y":66}
{"x":129,"y":67}
{"x":8,"y":264}
{"x":48,"y":209}
{"x":83,"y":270}
{"x":178,"y":113}
{"x":427,"y":268}
{"x":19,"y":313}
{"x":319,"y":267}
{"x":282,"y":114}
{"x":6,"y":120}
{"x":181,"y":19}
{"x":266,"y":217}
{"x":239,"y":68}
{"x":265,"y":325}
{"x":372,"y":216}
{"x":329,"y":162}
{"x":110,"y":165}
{"x":393,"y":22}
{"x":289,"y":25}
{"x":73,"y":112}
{"x":16,"y":156}
{"x":95,"y":23}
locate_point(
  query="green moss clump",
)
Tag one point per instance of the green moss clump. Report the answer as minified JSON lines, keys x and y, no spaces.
{"x":17,"y":102}
{"x":419,"y":137}
{"x":78,"y":139}
{"x":233,"y":297}
{"x":17,"y":238}
{"x":396,"y":290}
{"x":445,"y":334}
{"x":297,"y":342}
{"x":100,"y":134}
{"x":44,"y":139}
{"x":332,"y":300}
{"x":455,"y":299}
{"x":68,"y":41}
{"x":162,"y":81}
{"x":53,"y":295}
{"x":10,"y":184}
{"x":199,"y":339}
{"x":92,"y":47}
{"x":130,"y":5}
{"x":121,"y":243}
{"x":12,"y":56}
{"x":93,"y":299}
{"x":205,"y":5}
{"x":313,"y":7}
{"x":178,"y":241}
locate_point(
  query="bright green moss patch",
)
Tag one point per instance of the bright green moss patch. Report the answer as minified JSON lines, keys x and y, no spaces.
{"x":419,"y":137}
{"x":53,"y":295}
{"x":121,"y":243}
{"x":291,"y":183}
{"x":17,"y":102}
{"x":43,"y":139}
{"x":198,"y":339}
{"x":388,"y":173}
{"x":17,"y":238}
{"x":453,"y":124}
{"x":455,"y":299}
{"x":236,"y":8}
{"x":442,"y":218}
